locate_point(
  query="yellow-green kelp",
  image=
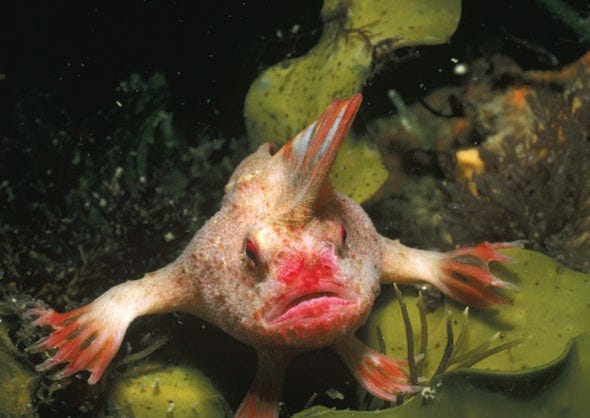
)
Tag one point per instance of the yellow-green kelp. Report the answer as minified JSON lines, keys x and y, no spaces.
{"x":17,"y":381}
{"x":357,"y":36}
{"x":550,"y":308}
{"x":155,"y":389}
{"x":557,"y":389}
{"x":546,"y":374}
{"x":358,"y":171}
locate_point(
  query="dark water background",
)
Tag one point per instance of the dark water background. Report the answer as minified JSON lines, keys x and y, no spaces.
{"x":79,"y":51}
{"x":211,"y":52}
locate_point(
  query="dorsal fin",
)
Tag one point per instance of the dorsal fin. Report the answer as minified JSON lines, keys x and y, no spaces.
{"x":309,"y":157}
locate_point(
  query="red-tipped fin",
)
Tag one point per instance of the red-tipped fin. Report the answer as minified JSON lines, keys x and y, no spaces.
{"x":86,"y":338}
{"x":311,"y":154}
{"x":380,"y":375}
{"x":471,"y":283}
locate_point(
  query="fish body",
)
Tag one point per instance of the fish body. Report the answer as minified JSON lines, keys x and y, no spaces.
{"x":286,"y":265}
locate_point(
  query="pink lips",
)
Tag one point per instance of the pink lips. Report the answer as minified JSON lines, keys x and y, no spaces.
{"x":316,"y":301}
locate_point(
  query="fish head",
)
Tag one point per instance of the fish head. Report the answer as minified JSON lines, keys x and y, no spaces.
{"x":308,"y":255}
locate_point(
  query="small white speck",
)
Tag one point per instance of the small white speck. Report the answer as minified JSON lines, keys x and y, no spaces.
{"x":460,"y":69}
{"x":428,"y":392}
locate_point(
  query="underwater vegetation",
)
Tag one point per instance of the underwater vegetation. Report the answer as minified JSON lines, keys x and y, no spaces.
{"x":503,"y":156}
{"x":17,"y":380}
{"x":79,"y":201}
{"x":516,"y":360}
{"x":357,"y":41}
{"x":512,"y":147}
{"x":357,"y":38}
{"x":530,"y":180}
{"x":82,"y":199}
{"x":551,"y":391}
{"x":158,"y":389}
{"x":570,"y":17}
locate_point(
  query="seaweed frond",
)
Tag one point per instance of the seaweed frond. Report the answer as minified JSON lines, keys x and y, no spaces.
{"x":453,"y":346}
{"x":84,"y":196}
{"x":534,"y":185}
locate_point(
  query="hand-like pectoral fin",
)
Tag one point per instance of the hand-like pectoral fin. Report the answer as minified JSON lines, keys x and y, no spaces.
{"x":462,"y":274}
{"x":88,"y":338}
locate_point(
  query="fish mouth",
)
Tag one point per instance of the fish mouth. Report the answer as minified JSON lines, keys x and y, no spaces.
{"x":322,"y":301}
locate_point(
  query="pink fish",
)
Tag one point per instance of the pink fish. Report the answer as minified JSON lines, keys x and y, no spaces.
{"x":287,"y":265}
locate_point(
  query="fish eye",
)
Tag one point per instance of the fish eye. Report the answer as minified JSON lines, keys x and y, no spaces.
{"x":343,"y":234}
{"x":251,"y":251}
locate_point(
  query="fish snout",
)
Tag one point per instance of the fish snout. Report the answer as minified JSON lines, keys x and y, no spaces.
{"x":306,"y":268}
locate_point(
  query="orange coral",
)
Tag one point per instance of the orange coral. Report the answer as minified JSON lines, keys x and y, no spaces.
{"x":469,"y":162}
{"x":517,"y":96}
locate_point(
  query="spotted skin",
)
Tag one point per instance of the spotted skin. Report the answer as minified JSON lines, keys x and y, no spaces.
{"x":286,"y":265}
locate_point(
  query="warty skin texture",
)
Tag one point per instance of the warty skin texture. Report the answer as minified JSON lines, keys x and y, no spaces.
{"x":287,"y":265}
